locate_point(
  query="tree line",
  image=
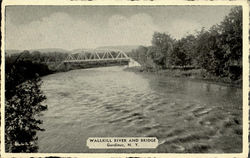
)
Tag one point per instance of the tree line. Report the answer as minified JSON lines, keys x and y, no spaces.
{"x":218,"y":50}
{"x":37,"y":56}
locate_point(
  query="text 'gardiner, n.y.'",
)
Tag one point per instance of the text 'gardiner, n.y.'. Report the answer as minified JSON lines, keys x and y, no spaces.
{"x":122,"y":142}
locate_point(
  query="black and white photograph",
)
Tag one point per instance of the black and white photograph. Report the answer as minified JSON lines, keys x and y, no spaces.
{"x":123,"y":79}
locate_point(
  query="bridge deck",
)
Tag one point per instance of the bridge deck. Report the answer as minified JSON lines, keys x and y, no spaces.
{"x":96,"y":60}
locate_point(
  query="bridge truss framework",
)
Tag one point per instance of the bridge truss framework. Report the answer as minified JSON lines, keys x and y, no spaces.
{"x":97,"y":55}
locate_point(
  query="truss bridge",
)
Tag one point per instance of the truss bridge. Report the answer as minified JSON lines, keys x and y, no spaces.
{"x":97,"y":56}
{"x":93,"y":58}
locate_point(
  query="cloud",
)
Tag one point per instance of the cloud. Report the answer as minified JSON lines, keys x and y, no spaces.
{"x":180,"y":27}
{"x":57,"y":31}
{"x":60,"y":30}
{"x":137,"y":29}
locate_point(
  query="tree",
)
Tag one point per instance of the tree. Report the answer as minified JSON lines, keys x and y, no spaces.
{"x":189,"y":44}
{"x":36,"y":56}
{"x":25,"y":55}
{"x":231,"y":41}
{"x":209,"y":52}
{"x":164,"y":43}
{"x":141,"y":52}
{"x":155,"y":53}
{"x":22,"y":108}
{"x":183,"y":53}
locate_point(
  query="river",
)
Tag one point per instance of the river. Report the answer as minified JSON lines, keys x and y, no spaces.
{"x":185,"y":115}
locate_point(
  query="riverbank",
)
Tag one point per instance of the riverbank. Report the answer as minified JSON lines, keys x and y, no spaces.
{"x":194,"y":74}
{"x":28,"y":69}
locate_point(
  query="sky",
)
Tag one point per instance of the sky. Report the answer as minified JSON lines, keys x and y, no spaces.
{"x":76,"y":27}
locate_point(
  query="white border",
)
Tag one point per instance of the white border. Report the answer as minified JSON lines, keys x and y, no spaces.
{"x":245,"y":78}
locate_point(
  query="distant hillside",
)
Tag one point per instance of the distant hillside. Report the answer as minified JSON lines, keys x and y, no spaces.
{"x":45,"y":50}
{"x":80,"y":50}
{"x":12,"y":51}
{"x":125,"y":48}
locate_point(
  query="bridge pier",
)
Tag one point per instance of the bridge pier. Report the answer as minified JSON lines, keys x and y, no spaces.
{"x":133,"y":63}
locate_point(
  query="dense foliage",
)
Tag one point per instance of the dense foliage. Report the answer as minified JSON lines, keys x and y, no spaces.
{"x":218,"y":50}
{"x":38,"y":57}
{"x":21,"y":112}
{"x":23,"y":104}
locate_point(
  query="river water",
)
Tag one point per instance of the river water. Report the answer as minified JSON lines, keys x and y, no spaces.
{"x":185,"y":115}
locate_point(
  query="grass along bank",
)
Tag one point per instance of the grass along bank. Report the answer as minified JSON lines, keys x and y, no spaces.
{"x":194,"y":74}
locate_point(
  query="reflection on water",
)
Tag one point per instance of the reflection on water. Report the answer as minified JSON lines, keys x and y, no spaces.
{"x":185,"y":115}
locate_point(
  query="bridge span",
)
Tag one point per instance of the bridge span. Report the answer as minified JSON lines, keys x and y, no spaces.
{"x":97,"y":55}
{"x":94,"y":58}
{"x":100,"y":56}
